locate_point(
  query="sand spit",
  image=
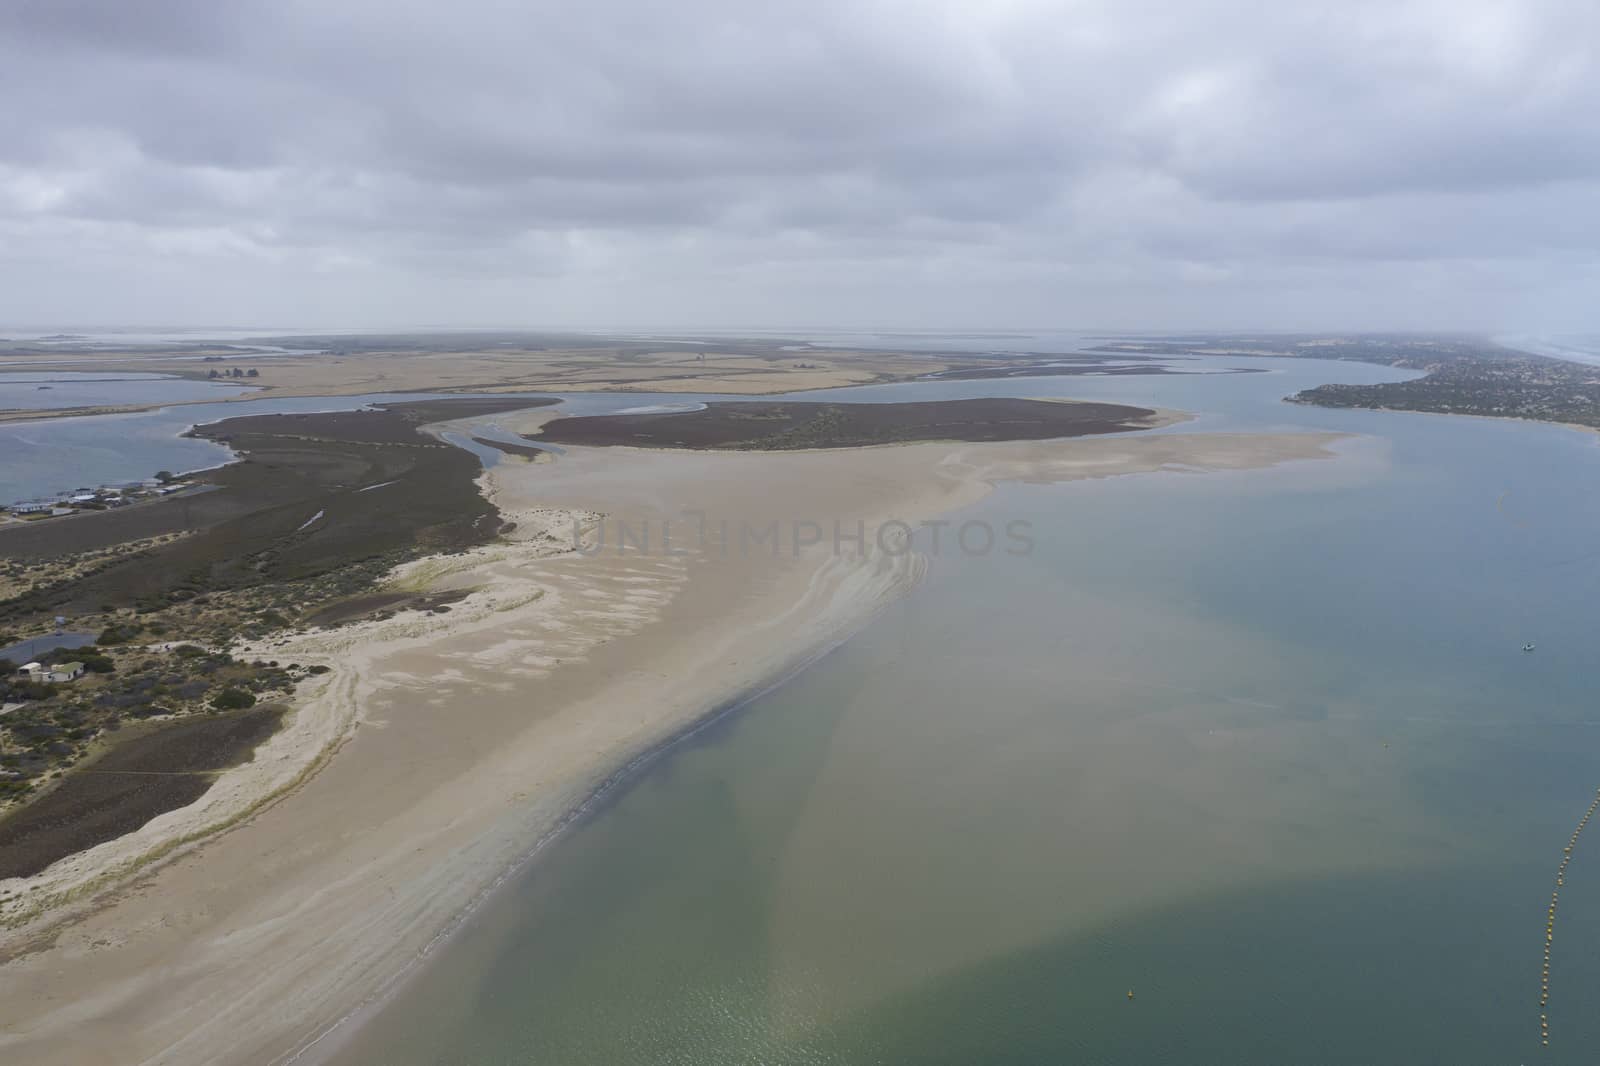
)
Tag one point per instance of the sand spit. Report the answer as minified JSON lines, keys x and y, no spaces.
{"x":440,"y":749}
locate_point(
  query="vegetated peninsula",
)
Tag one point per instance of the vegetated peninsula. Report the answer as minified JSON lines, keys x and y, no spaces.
{"x":1462,"y":375}
{"x":299,"y":532}
{"x":1498,"y":386}
{"x":318,"y":508}
{"x":742,"y":426}
{"x":432,"y":748}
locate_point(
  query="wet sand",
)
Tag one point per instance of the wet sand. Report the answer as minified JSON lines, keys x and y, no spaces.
{"x":440,"y":749}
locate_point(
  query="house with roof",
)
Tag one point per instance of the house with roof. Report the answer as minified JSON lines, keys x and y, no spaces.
{"x":62,"y":672}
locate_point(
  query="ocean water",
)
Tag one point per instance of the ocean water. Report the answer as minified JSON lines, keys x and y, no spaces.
{"x":1261,"y":749}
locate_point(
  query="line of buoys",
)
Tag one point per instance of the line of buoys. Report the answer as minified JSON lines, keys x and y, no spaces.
{"x":1550,"y":918}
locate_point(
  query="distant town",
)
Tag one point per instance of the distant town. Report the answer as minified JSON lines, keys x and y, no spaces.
{"x":106,"y":497}
{"x":1496,"y":385}
{"x":1462,"y":375}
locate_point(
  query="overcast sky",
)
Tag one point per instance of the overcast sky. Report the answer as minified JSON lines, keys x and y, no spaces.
{"x":749,"y":163}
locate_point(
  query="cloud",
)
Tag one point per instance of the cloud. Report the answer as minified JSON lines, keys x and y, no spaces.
{"x":873,"y":162}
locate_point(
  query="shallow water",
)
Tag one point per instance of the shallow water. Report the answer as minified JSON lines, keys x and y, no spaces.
{"x":54,"y":456}
{"x":1261,"y":748}
{"x":47,"y":458}
{"x":43,"y":390}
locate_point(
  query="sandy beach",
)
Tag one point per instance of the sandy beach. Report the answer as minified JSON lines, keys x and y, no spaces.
{"x":441,"y":750}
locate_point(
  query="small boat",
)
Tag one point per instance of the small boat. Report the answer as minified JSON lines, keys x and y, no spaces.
{"x":1528,"y":646}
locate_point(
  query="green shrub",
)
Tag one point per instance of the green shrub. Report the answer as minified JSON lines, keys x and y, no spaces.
{"x":118,"y":634}
{"x":233,"y":699}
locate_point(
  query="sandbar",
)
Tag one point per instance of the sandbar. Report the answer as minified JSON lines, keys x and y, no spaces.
{"x":440,"y":751}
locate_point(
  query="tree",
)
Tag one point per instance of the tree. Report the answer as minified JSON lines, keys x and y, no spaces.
{"x":99,"y":664}
{"x":252,"y":373}
{"x":164,"y":476}
{"x":212,"y":373}
{"x":113,"y":635}
{"x":233,"y":699}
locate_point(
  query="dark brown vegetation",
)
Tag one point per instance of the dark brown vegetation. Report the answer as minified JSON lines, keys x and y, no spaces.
{"x":254,"y":526}
{"x":286,"y":536}
{"x":163,"y":767}
{"x":56,"y":723}
{"x":784,"y":426}
{"x":383,"y":604}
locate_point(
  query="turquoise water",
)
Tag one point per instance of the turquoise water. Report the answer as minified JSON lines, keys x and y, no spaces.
{"x":1261,"y":748}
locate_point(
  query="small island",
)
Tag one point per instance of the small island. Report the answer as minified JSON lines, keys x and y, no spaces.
{"x":742,"y":426}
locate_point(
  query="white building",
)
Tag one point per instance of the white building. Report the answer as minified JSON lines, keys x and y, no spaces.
{"x":64,"y":672}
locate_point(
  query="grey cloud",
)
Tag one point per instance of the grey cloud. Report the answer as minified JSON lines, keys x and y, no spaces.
{"x":873,"y":162}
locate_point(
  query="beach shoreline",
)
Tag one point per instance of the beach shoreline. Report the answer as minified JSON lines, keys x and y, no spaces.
{"x":630,"y":655}
{"x":331,"y":1040}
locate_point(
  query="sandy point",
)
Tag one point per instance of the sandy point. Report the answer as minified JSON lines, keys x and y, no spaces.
{"x":443,"y":749}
